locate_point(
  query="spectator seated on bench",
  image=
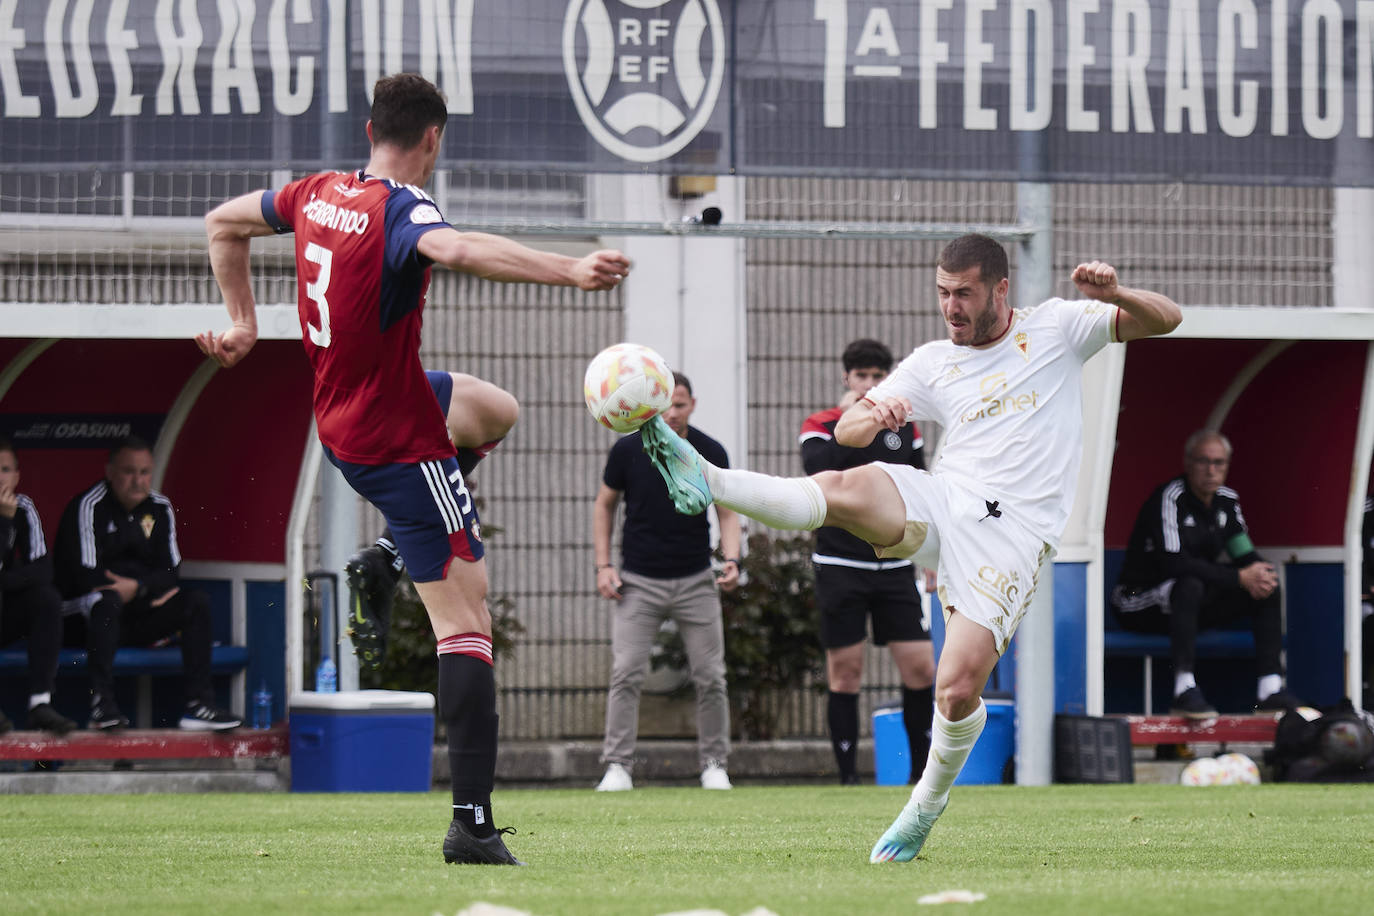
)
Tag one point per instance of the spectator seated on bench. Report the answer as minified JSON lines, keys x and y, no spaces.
{"x":1174,"y":583}
{"x":30,"y":607}
{"x":117,"y":562}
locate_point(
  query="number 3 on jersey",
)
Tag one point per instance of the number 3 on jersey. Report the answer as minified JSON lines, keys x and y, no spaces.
{"x":315,"y":291}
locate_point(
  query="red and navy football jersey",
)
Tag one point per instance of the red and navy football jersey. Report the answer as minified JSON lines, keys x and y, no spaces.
{"x":361,"y":286}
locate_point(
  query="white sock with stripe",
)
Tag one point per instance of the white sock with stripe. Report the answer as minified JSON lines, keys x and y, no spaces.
{"x":789,"y":503}
{"x":950,"y":744}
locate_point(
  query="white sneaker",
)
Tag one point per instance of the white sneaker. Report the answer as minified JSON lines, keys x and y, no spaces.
{"x":715,"y":777}
{"x":617,"y":779}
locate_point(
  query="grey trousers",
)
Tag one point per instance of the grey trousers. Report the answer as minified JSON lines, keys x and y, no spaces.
{"x":644,"y":604}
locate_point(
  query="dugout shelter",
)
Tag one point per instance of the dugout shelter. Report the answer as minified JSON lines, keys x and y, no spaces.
{"x":1293,"y":389}
{"x":234,"y":451}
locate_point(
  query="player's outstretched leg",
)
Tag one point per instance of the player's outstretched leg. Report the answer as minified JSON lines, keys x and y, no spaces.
{"x":680,"y":465}
{"x":694,"y":483}
{"x":372,"y":574}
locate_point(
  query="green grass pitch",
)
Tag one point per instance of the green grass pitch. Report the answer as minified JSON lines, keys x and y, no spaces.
{"x":1282,"y":849}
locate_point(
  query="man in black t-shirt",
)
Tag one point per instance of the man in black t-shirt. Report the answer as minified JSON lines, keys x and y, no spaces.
{"x":853,"y":585}
{"x":1190,"y":565}
{"x":665,"y":573}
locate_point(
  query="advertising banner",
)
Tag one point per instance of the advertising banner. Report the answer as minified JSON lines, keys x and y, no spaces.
{"x":1233,"y":91}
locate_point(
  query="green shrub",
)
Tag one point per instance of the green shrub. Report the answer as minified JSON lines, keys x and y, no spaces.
{"x":411,"y":662}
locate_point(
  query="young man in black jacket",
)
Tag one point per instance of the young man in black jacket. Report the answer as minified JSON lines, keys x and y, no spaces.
{"x":29,"y":604}
{"x":852,"y":585}
{"x":117,"y":562}
{"x":1190,"y":565}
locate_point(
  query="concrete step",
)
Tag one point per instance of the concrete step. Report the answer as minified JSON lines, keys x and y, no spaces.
{"x":525,"y":764}
{"x":662,"y":762}
{"x":140,"y":782}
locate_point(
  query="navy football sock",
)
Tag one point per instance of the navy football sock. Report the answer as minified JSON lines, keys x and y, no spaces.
{"x":843,"y":713}
{"x":467,"y":706}
{"x":918,"y":713}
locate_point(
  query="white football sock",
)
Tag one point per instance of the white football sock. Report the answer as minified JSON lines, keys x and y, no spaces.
{"x":950,"y":743}
{"x":1269,"y":685}
{"x":1183,"y":680}
{"x":38,"y":699}
{"x":778,"y":502}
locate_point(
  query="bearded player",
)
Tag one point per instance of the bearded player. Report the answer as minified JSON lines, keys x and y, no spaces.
{"x":1007,"y":388}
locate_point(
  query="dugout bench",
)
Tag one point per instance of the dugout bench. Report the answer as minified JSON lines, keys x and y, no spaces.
{"x":241,"y":608}
{"x":230,"y":449}
{"x":1256,"y":391}
{"x":141,"y":664}
{"x":1293,"y":389}
{"x":1222,"y":652}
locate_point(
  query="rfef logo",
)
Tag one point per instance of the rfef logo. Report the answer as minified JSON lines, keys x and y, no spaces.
{"x":644,"y":74}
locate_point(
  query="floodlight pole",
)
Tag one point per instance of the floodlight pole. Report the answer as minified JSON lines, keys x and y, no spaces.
{"x":1034,"y":645}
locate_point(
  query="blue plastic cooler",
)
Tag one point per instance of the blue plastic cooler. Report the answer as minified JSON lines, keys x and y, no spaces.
{"x":362,"y":741}
{"x":891,"y":752}
{"x":997,"y":744}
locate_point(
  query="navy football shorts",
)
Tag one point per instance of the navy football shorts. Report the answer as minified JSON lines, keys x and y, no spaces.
{"x":426,"y":504}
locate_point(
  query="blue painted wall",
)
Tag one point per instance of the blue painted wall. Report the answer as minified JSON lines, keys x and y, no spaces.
{"x":1316,"y":631}
{"x":1070,"y":638}
{"x":267,"y":643}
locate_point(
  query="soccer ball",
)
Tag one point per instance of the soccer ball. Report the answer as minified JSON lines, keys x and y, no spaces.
{"x":1240,"y":769}
{"x":1347,"y":742}
{"x":1204,"y":771}
{"x":626,"y":385}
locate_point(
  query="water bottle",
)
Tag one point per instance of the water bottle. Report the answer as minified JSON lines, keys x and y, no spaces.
{"x":262,"y":707}
{"x":327,"y":677}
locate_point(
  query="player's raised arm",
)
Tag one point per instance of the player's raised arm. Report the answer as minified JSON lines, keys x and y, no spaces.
{"x":859,"y":424}
{"x":230,"y":227}
{"x":493,"y":257}
{"x":1143,"y":313}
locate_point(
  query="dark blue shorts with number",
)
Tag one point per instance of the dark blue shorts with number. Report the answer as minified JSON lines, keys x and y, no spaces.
{"x":427,"y":505}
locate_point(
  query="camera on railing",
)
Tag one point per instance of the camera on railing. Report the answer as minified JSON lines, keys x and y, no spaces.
{"x":710,"y":216}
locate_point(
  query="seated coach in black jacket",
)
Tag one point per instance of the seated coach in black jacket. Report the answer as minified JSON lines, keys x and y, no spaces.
{"x":1190,"y":566}
{"x":117,"y":561}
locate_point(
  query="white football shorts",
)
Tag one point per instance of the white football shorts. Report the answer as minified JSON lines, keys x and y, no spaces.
{"x":988,"y":564}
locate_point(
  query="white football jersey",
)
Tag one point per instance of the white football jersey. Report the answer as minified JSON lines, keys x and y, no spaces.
{"x":1012,"y":412}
